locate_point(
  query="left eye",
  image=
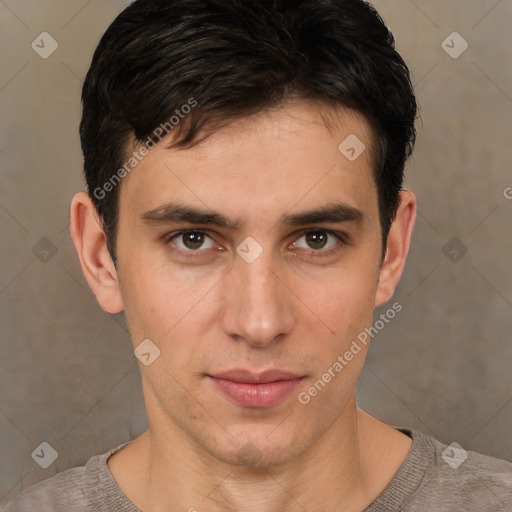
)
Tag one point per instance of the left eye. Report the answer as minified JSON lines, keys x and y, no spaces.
{"x":317,"y":240}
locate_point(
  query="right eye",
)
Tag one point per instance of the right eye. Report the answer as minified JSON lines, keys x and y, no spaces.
{"x":191,"y":241}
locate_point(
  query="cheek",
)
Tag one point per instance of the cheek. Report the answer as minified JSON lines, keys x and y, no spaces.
{"x":345,"y":300}
{"x":346,"y":306}
{"x":159,"y":300}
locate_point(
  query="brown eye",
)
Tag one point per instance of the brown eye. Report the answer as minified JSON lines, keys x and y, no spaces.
{"x":192,"y":240}
{"x":317,"y":240}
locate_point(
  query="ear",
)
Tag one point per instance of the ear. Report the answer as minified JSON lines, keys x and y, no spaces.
{"x":91,"y":245}
{"x":397,"y":248}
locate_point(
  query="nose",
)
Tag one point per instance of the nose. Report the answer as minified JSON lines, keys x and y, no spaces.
{"x":257,"y":306}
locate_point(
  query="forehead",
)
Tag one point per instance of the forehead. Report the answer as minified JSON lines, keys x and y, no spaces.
{"x":295,"y":155}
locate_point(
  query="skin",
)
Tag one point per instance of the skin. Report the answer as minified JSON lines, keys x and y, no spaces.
{"x":290,"y":309}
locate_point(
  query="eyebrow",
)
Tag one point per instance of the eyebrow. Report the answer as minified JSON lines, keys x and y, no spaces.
{"x":176,"y":212}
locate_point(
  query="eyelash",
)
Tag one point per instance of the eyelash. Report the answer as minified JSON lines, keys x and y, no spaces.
{"x":341,"y":237}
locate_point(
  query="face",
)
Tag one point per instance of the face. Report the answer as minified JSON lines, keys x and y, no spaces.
{"x":249,"y":296}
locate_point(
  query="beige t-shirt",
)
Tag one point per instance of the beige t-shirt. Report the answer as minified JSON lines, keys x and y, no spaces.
{"x":433,"y":477}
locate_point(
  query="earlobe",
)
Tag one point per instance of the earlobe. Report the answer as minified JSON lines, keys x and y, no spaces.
{"x":398,"y":242}
{"x":91,"y":245}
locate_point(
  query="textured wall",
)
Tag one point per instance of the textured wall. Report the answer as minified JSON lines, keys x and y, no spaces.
{"x":442,"y":365}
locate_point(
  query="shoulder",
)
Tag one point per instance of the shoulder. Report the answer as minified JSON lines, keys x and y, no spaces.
{"x":77,"y":489}
{"x":461,"y":479}
{"x":62,"y":492}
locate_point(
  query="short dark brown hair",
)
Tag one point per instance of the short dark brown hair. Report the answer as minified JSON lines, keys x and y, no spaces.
{"x":234,"y":58}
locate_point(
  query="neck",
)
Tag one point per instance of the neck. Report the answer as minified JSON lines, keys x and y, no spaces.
{"x":350,"y":464}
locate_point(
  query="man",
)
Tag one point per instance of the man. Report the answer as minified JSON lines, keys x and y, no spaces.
{"x":244,"y":164}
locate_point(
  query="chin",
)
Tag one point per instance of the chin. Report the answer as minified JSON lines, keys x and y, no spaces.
{"x":259,"y":451}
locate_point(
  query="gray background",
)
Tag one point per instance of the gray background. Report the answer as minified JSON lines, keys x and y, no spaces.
{"x":67,"y":372}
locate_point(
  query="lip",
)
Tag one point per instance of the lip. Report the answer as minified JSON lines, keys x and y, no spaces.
{"x":255,"y":389}
{"x":250,"y":377}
